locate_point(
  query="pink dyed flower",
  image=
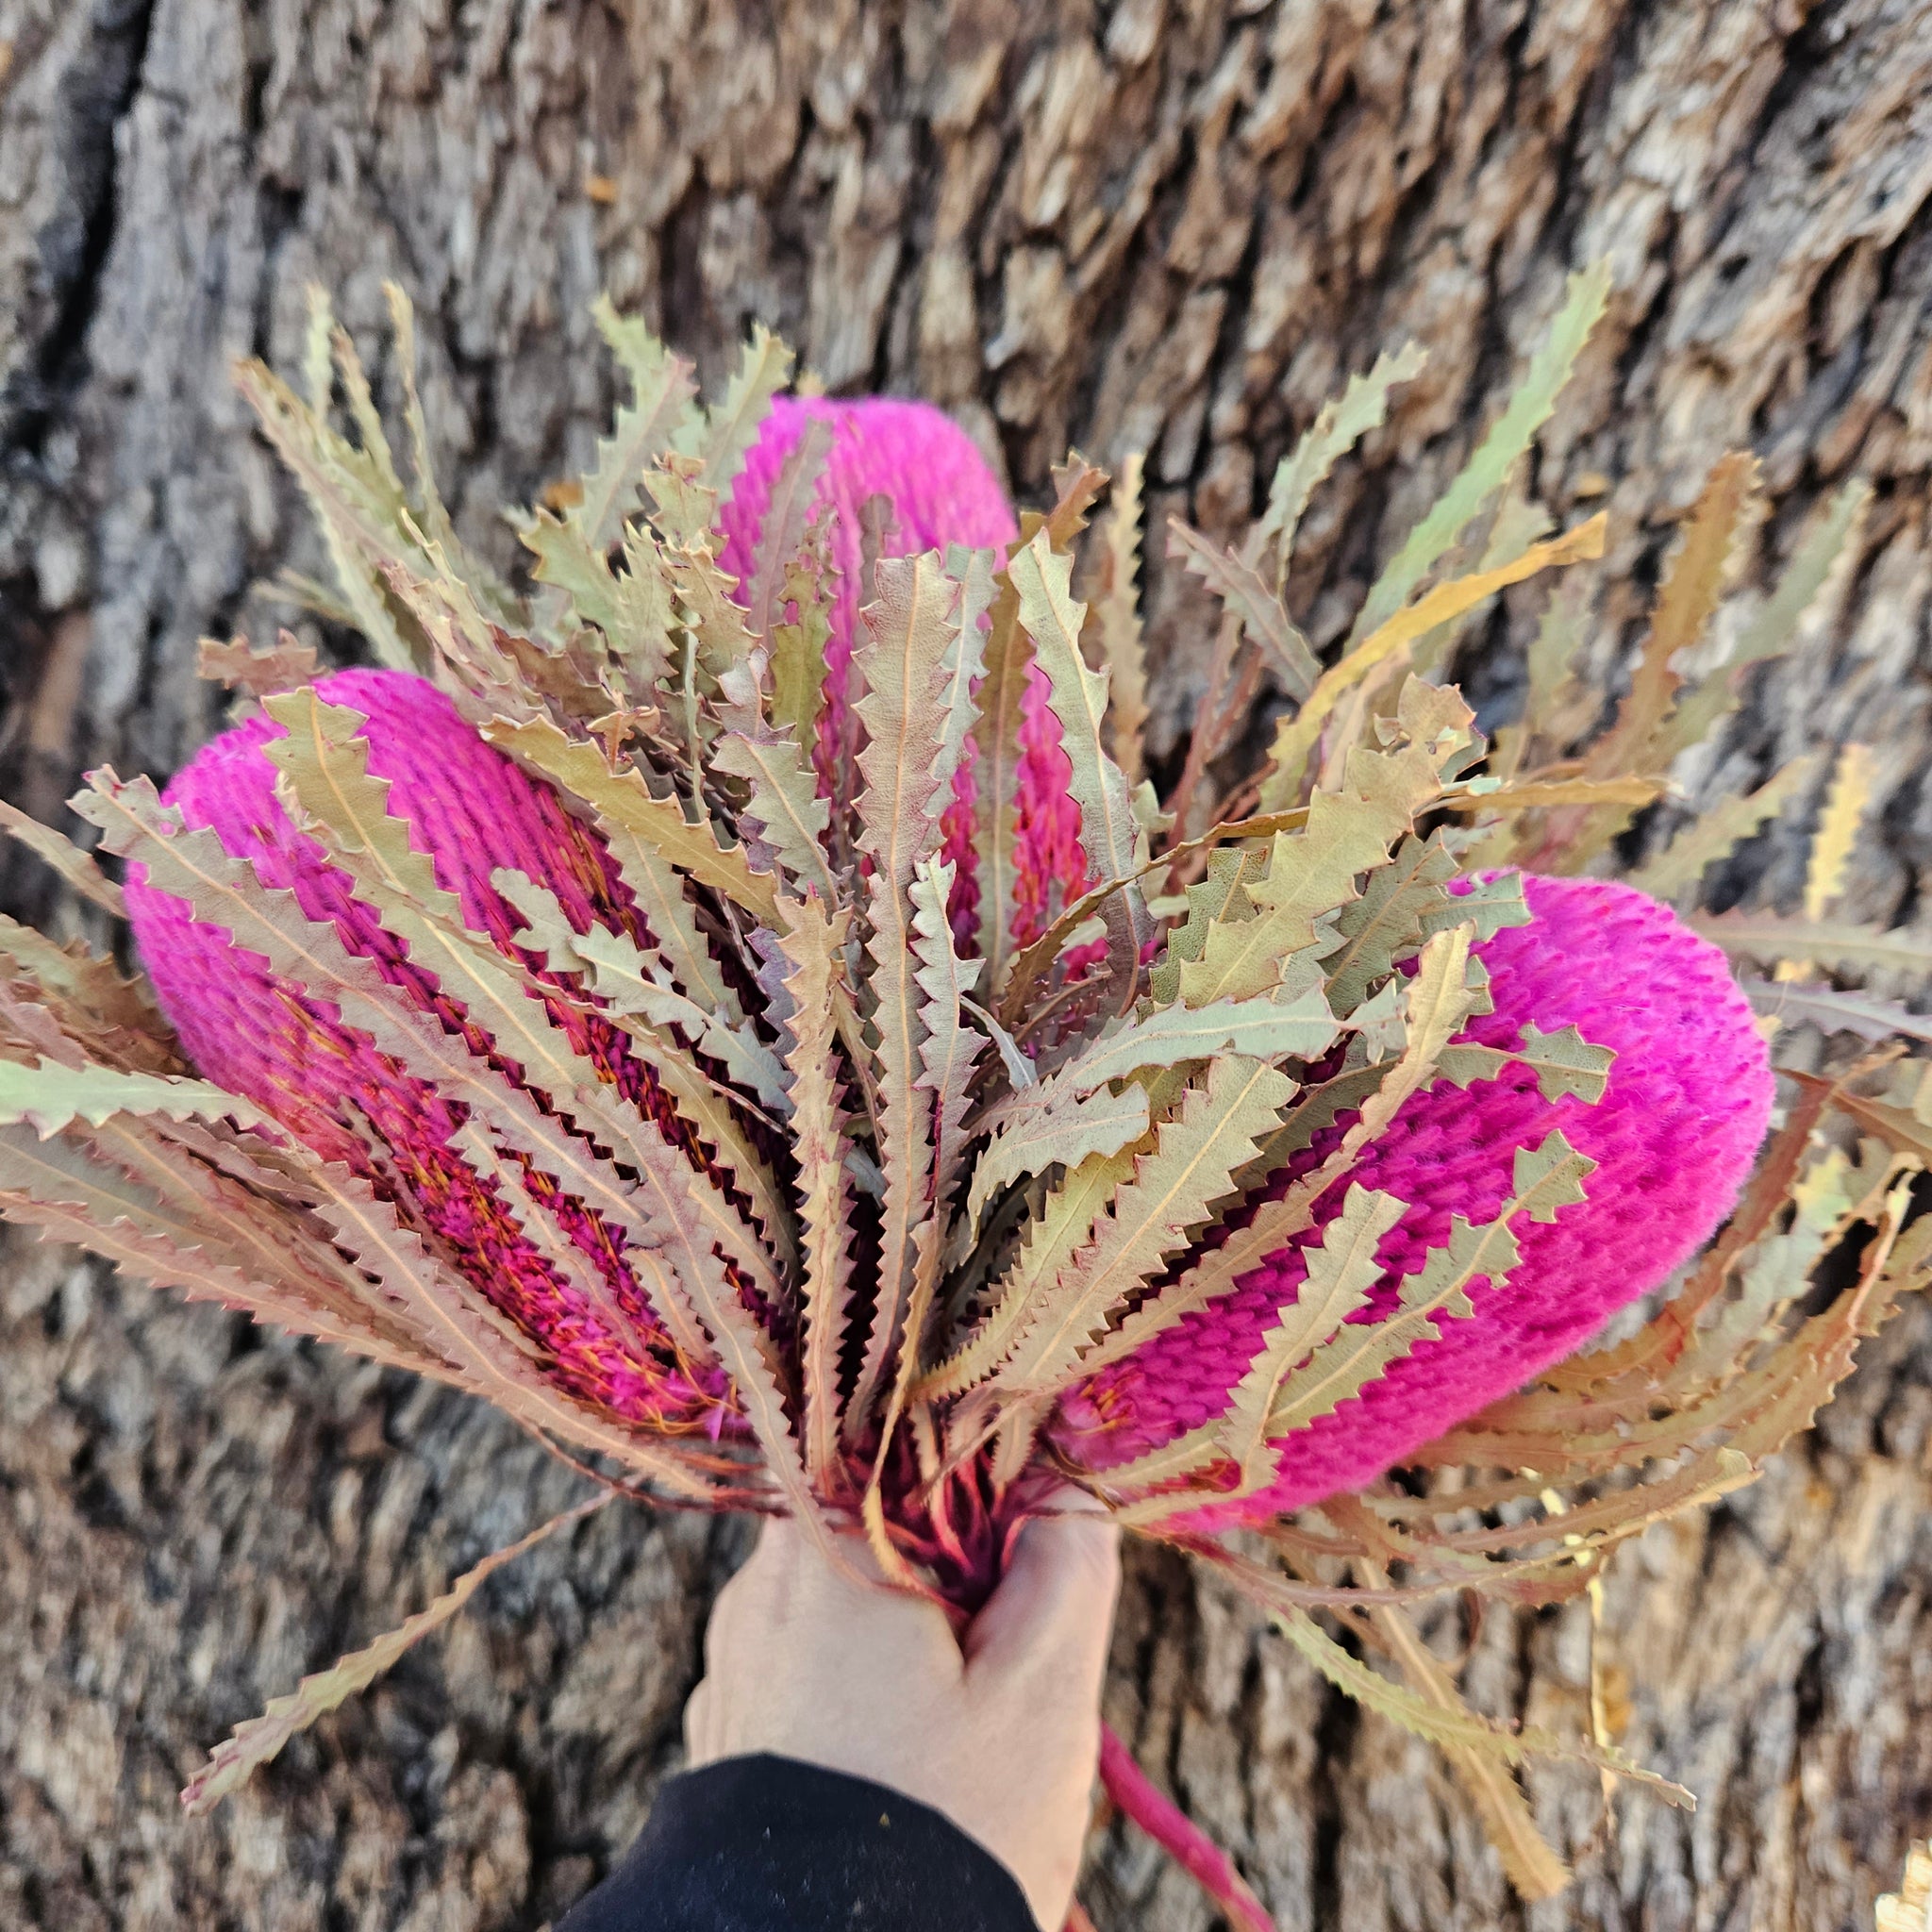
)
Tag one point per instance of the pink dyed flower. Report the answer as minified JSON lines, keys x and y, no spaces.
{"x":470,"y":809}
{"x":1675,"y":1136}
{"x":941,"y":492}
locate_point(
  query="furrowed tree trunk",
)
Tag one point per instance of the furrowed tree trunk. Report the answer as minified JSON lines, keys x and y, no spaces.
{"x":1174,"y":226}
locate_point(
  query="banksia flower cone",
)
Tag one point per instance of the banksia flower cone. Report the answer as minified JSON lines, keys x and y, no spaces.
{"x":740,"y":1004}
{"x":1673,"y":1136}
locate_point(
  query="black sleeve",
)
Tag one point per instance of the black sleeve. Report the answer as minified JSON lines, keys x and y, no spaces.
{"x":768,"y":1844}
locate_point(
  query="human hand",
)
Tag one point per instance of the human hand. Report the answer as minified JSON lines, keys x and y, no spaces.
{"x":997,"y":1729}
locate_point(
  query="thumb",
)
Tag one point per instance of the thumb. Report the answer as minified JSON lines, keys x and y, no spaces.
{"x":1058,"y":1594}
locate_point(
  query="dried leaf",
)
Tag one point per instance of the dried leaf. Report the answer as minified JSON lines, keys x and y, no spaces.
{"x":795,"y":489}
{"x":1247,"y":598}
{"x":78,"y":869}
{"x":1545,"y":1180}
{"x":260,"y":1738}
{"x":909,"y":633}
{"x":1690,"y":589}
{"x":1174,"y":1191}
{"x":1838,"y":948}
{"x":1821,"y":556}
{"x":1110,"y":835}
{"x":1446,"y":989}
{"x":279,"y":666}
{"x":1343,"y":422}
{"x":1584,"y":297}
{"x":1838,"y":829}
{"x":661,"y":387}
{"x":812,"y":951}
{"x":1296,"y":737}
{"x":731,"y":426}
{"x":1118,"y":612}
{"x":1681,"y":864}
{"x":1832,"y":1012}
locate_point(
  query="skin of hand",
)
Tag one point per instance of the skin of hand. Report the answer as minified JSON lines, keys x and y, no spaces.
{"x":997,"y":1727}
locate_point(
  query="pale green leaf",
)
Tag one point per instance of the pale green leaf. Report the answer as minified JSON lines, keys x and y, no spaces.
{"x":1499,"y":451}
{"x":1343,"y":422}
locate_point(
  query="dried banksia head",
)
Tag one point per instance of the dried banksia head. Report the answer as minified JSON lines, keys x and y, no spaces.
{"x":742,"y":1004}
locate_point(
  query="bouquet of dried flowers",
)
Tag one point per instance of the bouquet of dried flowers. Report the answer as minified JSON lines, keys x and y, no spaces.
{"x":739,"y":1003}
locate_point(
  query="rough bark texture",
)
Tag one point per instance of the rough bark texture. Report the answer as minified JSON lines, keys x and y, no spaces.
{"x":1166,"y":224}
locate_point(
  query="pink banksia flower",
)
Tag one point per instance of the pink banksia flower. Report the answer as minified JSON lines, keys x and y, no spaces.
{"x":472,"y":810}
{"x":941,"y":492}
{"x":1673,"y":1136}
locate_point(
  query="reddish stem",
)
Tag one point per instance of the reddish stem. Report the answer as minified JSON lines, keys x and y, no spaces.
{"x":1178,"y":1836}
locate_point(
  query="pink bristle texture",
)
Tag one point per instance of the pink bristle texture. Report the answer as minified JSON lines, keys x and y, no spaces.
{"x":471,"y":811}
{"x":942,"y":492}
{"x":1673,"y":1136}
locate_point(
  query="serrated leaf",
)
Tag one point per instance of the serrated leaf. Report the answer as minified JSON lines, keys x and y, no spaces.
{"x":1824,"y":548}
{"x":949,"y":1052}
{"x":639,"y":828}
{"x":1835,"y":1011}
{"x":1219,"y":896}
{"x":326,"y":764}
{"x":225,"y":894}
{"x":1347,"y":832}
{"x":262,"y":1739}
{"x":1117,"y":611}
{"x":731,"y":426}
{"x":746,"y":1350}
{"x":661,"y":386}
{"x":78,"y":869}
{"x":1387,"y":922}
{"x":1342,"y":1268}
{"x":1055,"y":1125}
{"x":813,"y":950}
{"x":1516,"y":525}
{"x":1343,"y":422}
{"x":358,"y":515}
{"x":784,"y":811}
{"x":909,"y":634}
{"x":1174,"y":1191}
{"x":279,"y":666}
{"x":1297,"y":735}
{"x":1546,"y":1178}
{"x":50,"y":1097}
{"x":1838,"y":829}
{"x":1302,"y":1029}
{"x":246,"y":1256}
{"x":632,"y":608}
{"x":798,"y":650}
{"x":1446,"y":989}
{"x":625,"y":977}
{"x":1247,"y":598}
{"x":1457,"y":1730}
{"x":1563,"y":1062}
{"x":963,"y":668}
{"x":996,"y":777}
{"x":1488,"y":904}
{"x":1586,"y":296}
{"x":1691,"y":586}
{"x":1679,"y":866}
{"x":1064,"y":1224}
{"x":1110,"y":835}
{"x":787,"y":510}
{"x":1839,"y":948}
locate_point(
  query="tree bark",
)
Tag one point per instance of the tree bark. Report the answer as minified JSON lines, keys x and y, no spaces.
{"x":1168,"y":224}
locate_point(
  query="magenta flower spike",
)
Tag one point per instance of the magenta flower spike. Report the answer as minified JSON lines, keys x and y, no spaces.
{"x":942,"y":493}
{"x":1673,"y":1137}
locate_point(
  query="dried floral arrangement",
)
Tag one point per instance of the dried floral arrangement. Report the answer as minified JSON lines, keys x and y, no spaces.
{"x":738,"y":1003}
